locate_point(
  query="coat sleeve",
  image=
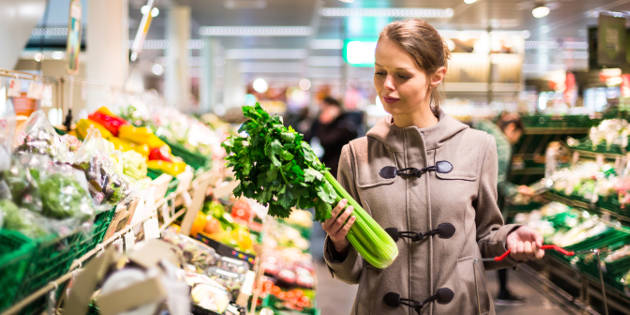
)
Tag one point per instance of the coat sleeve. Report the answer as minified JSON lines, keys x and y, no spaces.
{"x":346,"y":266}
{"x":491,"y":233}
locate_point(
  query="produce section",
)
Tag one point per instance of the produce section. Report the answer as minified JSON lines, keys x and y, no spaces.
{"x":111,"y":206}
{"x":585,"y":210}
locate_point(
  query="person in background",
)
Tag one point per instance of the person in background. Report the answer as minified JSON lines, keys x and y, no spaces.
{"x":506,"y":132}
{"x":334,"y":129}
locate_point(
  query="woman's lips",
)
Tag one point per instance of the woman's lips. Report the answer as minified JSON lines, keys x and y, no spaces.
{"x":390,"y":100}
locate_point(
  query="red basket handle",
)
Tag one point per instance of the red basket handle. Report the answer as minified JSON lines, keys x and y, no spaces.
{"x":544,"y":247}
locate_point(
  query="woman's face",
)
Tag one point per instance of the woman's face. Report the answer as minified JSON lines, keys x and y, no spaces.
{"x":401,"y":85}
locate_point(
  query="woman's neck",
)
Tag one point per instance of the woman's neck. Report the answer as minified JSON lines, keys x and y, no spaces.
{"x":422,"y":119}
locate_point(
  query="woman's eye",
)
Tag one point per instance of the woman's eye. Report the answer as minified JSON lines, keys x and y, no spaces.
{"x":402,"y":76}
{"x":379,"y":73}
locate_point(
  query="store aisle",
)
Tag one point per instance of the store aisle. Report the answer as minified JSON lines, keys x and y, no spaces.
{"x":335,"y":297}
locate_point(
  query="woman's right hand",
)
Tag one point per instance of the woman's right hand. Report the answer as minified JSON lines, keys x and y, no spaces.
{"x":339,"y":224}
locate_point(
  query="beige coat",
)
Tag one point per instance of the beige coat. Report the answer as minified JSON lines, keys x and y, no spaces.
{"x":466,"y":197}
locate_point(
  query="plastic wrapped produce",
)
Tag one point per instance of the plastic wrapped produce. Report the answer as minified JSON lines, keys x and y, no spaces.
{"x":41,"y":138}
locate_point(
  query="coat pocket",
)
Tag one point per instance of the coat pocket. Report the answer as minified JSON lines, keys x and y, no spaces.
{"x":474,"y":269}
{"x":469,"y":288}
{"x":461,"y":171}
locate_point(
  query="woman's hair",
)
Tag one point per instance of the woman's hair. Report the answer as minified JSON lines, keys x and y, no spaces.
{"x":332,"y":101}
{"x":420,"y":40}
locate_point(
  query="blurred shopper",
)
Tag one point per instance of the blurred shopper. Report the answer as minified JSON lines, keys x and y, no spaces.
{"x":333,"y":128}
{"x":432,"y":182}
{"x":506,"y":132}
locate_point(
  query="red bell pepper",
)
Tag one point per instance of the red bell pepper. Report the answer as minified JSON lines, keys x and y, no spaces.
{"x":111,"y":123}
{"x":158,"y":154}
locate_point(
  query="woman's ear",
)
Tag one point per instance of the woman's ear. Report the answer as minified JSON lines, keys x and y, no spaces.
{"x":438,"y":76}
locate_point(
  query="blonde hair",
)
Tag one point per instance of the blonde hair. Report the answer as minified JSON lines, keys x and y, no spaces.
{"x":423,"y":42}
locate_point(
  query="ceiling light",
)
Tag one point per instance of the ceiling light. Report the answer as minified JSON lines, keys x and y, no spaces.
{"x":157,"y":69}
{"x":388,"y":12}
{"x":255,"y":31}
{"x":304,"y":84}
{"x":260,"y":85}
{"x":154,"y":12}
{"x":332,"y":44}
{"x":38,"y":57}
{"x":469,"y":1}
{"x":347,"y":1}
{"x":540,"y":11}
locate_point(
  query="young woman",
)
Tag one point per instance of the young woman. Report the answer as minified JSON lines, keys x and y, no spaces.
{"x":414,"y":171}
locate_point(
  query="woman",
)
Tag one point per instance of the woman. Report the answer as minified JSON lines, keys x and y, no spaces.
{"x":462,"y":191}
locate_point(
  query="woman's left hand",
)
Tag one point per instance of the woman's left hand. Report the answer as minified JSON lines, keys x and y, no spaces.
{"x":524,"y":244}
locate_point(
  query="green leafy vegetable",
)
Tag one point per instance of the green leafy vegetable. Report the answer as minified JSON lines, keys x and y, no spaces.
{"x":63,"y":197}
{"x":21,"y":220}
{"x":279,"y":170}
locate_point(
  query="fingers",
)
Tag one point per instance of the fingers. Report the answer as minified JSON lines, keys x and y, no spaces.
{"x":341,"y":220}
{"x":328,"y":225}
{"x":524,"y":250}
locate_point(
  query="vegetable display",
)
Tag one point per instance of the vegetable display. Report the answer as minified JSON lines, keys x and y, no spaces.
{"x":279,"y":170}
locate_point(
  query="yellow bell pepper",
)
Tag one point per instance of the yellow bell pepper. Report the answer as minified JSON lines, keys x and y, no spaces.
{"x":124,"y":146}
{"x":141,"y":135}
{"x":106,"y":111}
{"x":84,"y":125}
{"x":170,"y":168}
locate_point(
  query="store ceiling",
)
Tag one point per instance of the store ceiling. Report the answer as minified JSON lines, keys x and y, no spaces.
{"x":567,"y":22}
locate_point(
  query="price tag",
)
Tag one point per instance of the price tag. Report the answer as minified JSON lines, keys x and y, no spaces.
{"x":130,"y":240}
{"x":248,"y":283}
{"x":151,"y":229}
{"x":47,"y":95}
{"x":14,"y":88}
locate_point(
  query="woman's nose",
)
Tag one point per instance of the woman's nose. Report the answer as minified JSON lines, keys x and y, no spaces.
{"x":389,"y":83}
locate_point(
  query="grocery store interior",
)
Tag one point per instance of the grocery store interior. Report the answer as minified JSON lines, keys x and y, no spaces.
{"x":124,"y":152}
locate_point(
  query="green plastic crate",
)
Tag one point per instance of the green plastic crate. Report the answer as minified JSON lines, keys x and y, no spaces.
{"x":15,"y":253}
{"x":194,"y":159}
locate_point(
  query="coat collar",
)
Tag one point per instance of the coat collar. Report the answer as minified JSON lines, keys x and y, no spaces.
{"x":432,"y":137}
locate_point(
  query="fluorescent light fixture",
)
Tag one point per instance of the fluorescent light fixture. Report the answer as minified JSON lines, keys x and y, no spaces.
{"x":265,"y":53}
{"x":255,"y":31}
{"x":426,"y":13}
{"x":469,"y":1}
{"x":325,"y":61}
{"x":322,"y":44}
{"x":540,"y":11}
{"x":38,"y":57}
{"x":346,"y":1}
{"x":267,"y":67}
{"x":359,"y":53}
{"x":260,"y":85}
{"x":160,"y":44}
{"x":244,"y":4}
{"x":50,"y":31}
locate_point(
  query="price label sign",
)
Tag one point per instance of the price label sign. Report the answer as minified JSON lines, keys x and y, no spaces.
{"x":130,"y":240}
{"x":151,"y":229}
{"x":14,"y":88}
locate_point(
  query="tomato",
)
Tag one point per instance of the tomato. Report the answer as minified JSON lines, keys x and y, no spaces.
{"x":304,"y":301}
{"x":212,"y":225}
{"x":241,"y":210}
